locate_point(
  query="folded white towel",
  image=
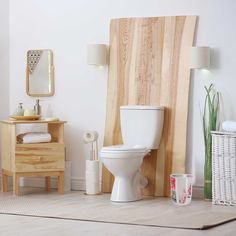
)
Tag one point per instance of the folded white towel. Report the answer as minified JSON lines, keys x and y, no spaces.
{"x":34,"y":137}
{"x":229,"y":126}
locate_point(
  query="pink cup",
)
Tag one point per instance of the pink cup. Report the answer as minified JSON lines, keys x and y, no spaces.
{"x":181,"y":188}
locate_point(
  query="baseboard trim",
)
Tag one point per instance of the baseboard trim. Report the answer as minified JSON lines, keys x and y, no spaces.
{"x":79,"y":184}
{"x":76,"y":183}
{"x":198,"y":192}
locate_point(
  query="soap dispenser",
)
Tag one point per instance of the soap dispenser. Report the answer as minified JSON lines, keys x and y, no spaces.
{"x":37,"y":108}
{"x":19,"y":111}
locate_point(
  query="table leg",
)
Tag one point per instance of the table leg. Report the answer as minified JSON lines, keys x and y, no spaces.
{"x":61,"y":183}
{"x":47,"y":183}
{"x":16,"y":187}
{"x":4,"y":182}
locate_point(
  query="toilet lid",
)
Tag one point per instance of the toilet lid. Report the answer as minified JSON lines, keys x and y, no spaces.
{"x":141,"y":107}
{"x":124,"y":148}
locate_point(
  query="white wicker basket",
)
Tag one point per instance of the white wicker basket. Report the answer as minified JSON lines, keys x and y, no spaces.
{"x":224,"y":168}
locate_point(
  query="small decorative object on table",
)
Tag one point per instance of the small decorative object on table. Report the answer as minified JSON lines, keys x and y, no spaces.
{"x":92,"y":165}
{"x":33,"y":117}
{"x":29,"y":112}
{"x":24,"y":114}
{"x":209,"y":123}
{"x":224,"y":168}
{"x":19,"y":111}
{"x":37,"y":108}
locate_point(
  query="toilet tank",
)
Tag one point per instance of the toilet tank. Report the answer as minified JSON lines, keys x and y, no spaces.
{"x":142,"y":125}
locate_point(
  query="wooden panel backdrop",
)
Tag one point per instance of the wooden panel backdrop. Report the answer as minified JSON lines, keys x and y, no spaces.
{"x":149,"y":65}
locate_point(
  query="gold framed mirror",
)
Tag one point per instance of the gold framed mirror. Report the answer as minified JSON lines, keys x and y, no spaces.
{"x":40,"y":73}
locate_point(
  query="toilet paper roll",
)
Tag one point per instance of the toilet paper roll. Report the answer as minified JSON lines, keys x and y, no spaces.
{"x":92,"y":182}
{"x":90,"y":136}
{"x":92,"y":165}
{"x":92,"y":177}
{"x":92,"y":188}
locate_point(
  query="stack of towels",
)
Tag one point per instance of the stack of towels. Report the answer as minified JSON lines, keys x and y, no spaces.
{"x":34,"y":137}
{"x":229,"y":126}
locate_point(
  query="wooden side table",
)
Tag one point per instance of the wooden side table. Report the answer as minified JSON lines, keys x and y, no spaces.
{"x":32,"y":160}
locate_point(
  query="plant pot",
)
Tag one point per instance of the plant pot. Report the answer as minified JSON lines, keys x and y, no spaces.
{"x":208,"y":179}
{"x":209,"y":123}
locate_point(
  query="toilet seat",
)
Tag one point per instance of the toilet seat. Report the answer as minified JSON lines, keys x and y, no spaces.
{"x":123,"y":152}
{"x":124,"y":149}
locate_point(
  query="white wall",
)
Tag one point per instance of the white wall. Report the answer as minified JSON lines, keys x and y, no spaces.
{"x":4,"y":59}
{"x":67,"y":26}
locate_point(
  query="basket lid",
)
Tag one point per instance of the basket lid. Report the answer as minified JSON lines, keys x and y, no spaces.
{"x":223,"y":133}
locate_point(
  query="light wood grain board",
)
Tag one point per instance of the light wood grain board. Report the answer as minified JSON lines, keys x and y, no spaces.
{"x":148,"y":65}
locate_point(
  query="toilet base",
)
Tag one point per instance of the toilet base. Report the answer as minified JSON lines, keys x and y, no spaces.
{"x":125,"y":189}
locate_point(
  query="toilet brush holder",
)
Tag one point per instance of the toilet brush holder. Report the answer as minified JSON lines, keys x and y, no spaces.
{"x":92,"y":177}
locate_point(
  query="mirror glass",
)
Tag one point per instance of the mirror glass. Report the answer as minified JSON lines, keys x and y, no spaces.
{"x":40,"y":73}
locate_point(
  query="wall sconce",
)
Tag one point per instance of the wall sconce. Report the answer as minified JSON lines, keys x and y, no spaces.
{"x":97,"y":54}
{"x":199,"y":58}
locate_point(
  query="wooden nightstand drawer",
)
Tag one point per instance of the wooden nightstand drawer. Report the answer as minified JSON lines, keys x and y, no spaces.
{"x":39,"y":157}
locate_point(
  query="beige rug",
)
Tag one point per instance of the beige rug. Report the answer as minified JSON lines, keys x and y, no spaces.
{"x":159,"y":212}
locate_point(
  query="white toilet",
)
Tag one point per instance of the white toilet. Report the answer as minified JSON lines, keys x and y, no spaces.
{"x":141,"y":128}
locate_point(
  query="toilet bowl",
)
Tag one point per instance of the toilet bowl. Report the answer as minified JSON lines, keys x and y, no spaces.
{"x":124,"y":163}
{"x":141,"y":128}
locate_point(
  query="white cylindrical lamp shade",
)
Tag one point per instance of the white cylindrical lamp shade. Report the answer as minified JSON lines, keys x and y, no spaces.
{"x":97,"y":54}
{"x":199,"y":57}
